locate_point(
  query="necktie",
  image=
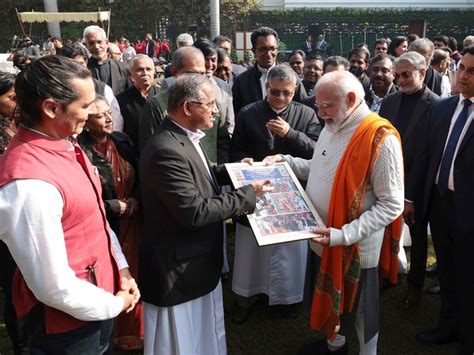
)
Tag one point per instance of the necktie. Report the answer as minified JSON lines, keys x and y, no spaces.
{"x":453,"y":139}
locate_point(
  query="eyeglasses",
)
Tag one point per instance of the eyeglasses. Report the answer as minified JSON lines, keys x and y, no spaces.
{"x":264,"y":50}
{"x":404,"y":75}
{"x":277,"y":93}
{"x":208,"y":105}
{"x":323,"y":106}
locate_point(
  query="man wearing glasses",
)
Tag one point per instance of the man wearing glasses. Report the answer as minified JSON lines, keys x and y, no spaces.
{"x":181,"y":253}
{"x":275,"y":125}
{"x":109,"y":71}
{"x":408,"y":110}
{"x":250,"y":86}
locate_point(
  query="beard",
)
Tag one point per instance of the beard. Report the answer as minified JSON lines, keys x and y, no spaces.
{"x":333,"y":124}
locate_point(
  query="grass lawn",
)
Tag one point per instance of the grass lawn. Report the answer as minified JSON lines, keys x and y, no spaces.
{"x":265,"y":333}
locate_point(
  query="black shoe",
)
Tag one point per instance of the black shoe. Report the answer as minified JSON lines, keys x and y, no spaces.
{"x":241,"y":314}
{"x":432,"y":271}
{"x":435,"y":336}
{"x":434,"y":290}
{"x":289,"y":311}
{"x":412,"y":298}
{"x":321,"y":348}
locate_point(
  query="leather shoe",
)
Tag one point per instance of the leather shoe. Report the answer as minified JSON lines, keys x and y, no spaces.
{"x":433,"y":290}
{"x":241,"y":313}
{"x":435,"y":336}
{"x":412,"y":298}
{"x":432,"y":271}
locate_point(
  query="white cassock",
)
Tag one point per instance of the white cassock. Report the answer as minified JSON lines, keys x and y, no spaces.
{"x":276,"y":270}
{"x":195,"y":327}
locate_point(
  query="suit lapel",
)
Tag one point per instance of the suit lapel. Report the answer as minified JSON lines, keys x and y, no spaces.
{"x":446,"y":117}
{"x":417,"y":113}
{"x":255,"y":86}
{"x":467,"y":137}
{"x":191,"y":151}
{"x":397,"y":100}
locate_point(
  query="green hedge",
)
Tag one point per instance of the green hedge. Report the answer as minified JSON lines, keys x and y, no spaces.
{"x":343,"y":27}
{"x":346,"y":27}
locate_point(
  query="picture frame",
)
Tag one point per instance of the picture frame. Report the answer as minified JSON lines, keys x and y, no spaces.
{"x":283,"y":215}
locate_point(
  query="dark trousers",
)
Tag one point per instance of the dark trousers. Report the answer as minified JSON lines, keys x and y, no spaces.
{"x":7,"y":269}
{"x":454,"y":246}
{"x":91,"y":339}
{"x":419,"y":249}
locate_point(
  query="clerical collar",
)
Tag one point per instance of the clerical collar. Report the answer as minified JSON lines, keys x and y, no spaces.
{"x":195,"y":137}
{"x":99,"y":62}
{"x":283,"y":110}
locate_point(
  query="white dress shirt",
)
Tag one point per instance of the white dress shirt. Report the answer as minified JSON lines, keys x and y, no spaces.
{"x":30,"y":225}
{"x":456,"y":114}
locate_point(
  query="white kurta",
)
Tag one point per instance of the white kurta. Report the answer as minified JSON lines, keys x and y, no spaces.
{"x":275,"y":270}
{"x":195,"y":327}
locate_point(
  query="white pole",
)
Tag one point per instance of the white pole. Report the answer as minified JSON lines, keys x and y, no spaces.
{"x":53,"y":27}
{"x":215,"y":18}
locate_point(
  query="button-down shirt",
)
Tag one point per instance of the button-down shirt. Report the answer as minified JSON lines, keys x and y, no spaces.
{"x":456,"y":114}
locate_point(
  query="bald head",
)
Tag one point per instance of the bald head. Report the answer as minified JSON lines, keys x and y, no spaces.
{"x":188,"y":60}
{"x":114,"y":51}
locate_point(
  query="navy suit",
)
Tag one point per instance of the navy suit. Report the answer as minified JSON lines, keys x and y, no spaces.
{"x":451,"y":219}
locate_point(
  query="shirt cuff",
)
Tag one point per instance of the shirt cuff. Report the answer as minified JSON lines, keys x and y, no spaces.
{"x":336,"y":237}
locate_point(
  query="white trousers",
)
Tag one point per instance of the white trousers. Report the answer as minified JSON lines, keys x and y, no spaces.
{"x":195,"y":327}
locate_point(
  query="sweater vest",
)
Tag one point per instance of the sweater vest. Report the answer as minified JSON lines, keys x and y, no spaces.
{"x":32,"y":155}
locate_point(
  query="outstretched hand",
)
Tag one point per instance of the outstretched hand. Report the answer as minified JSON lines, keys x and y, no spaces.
{"x":272,"y":159}
{"x":262,"y":186}
{"x":323,"y":235}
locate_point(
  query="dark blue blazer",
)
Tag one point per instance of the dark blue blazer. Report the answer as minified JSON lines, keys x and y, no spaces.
{"x":429,"y":158}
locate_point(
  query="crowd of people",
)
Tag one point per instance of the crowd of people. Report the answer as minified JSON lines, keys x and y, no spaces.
{"x":114,"y":199}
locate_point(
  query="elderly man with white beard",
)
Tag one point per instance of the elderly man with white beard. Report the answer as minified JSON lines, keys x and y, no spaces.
{"x":355,"y":181}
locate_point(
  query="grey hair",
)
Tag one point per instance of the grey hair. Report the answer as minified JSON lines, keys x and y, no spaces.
{"x":93,"y":29}
{"x":414,"y":58}
{"x":345,"y":83}
{"x":184,"y":39}
{"x":186,"y":87}
{"x":421,"y":43}
{"x":132,"y":61}
{"x":282,"y":72}
{"x":99,"y":97}
{"x":182,"y":53}
{"x":468,"y":41}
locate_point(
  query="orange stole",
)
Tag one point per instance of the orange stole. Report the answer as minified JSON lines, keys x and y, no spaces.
{"x":339,"y":273}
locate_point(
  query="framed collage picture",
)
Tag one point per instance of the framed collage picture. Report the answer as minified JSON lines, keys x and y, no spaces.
{"x":283,"y":215}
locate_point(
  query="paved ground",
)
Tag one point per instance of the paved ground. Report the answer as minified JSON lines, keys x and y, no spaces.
{"x":266,"y":333}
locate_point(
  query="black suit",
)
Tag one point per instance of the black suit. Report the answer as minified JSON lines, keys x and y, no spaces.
{"x":410,"y":137}
{"x":433,"y":80}
{"x":181,"y":253}
{"x":247,"y":89}
{"x":131,"y":102}
{"x":150,"y":48}
{"x":451,"y":219}
{"x":112,"y":73}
